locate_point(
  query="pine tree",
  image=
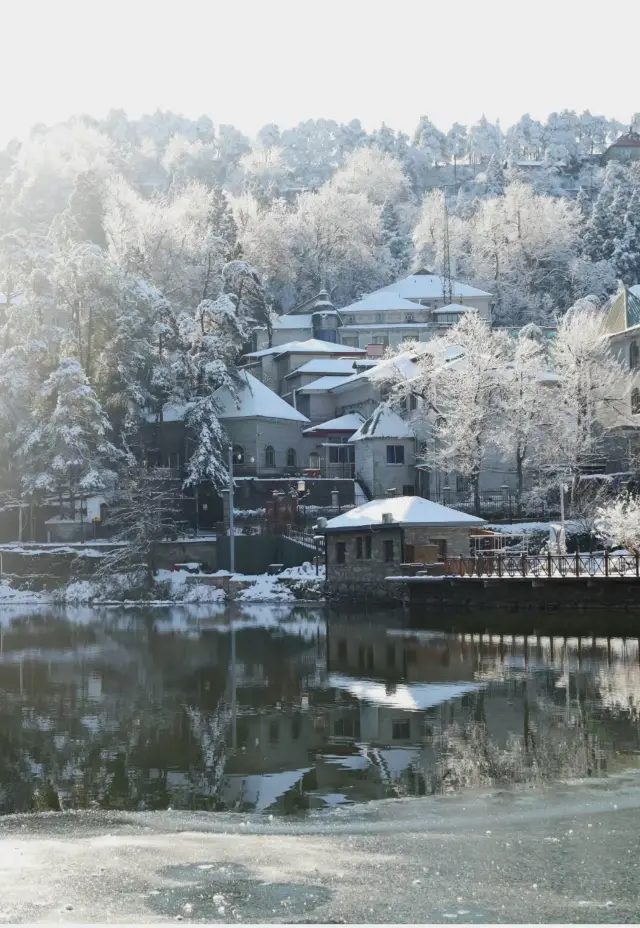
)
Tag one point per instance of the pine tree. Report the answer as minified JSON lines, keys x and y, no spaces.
{"x":87,"y":210}
{"x":495,"y":177}
{"x":67,"y":453}
{"x":397,"y":240}
{"x":223,"y":225}
{"x":584,"y":205}
{"x":597,"y":242}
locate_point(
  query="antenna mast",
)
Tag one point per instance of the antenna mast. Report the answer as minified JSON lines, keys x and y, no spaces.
{"x":447,"y":283}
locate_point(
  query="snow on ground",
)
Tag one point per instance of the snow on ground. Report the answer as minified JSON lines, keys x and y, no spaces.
{"x":11,"y":597}
{"x":521,"y":528}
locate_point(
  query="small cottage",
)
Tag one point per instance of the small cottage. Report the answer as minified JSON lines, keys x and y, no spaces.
{"x":371,"y":542}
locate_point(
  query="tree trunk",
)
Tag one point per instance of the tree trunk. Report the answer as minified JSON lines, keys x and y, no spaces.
{"x":476,"y":493}
{"x":519,"y":482}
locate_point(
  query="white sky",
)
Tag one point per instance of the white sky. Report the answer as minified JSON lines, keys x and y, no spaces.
{"x":249,"y":62}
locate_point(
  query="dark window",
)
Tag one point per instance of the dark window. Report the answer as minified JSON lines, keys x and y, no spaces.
{"x":269,"y":456}
{"x":343,"y":728}
{"x":342,"y":454}
{"x":379,"y":317}
{"x":391,"y":655}
{"x":401,"y":730}
{"x":635,"y":401}
{"x":342,"y":649}
{"x":412,"y":402}
{"x":388,"y":551}
{"x":461,"y":484}
{"x":441,"y":544}
{"x":395,"y":454}
{"x":408,"y":489}
{"x":341,"y":552}
{"x":359,"y":548}
{"x":291,"y":457}
{"x":367,"y":547}
{"x":238,"y":454}
{"x":409,"y":318}
{"x":634,"y":356}
{"x":274,"y":732}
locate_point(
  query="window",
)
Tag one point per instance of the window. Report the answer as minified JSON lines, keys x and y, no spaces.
{"x":238,"y":454}
{"x":367,"y":547}
{"x":395,"y":454}
{"x":401,"y":730}
{"x":380,"y":340}
{"x":412,"y":402}
{"x":341,"y":552}
{"x":291,"y":457}
{"x":635,"y":401}
{"x":379,"y":317}
{"x":269,"y":456}
{"x":408,"y":489}
{"x":634,"y":356}
{"x":409,"y":318}
{"x":351,"y":342}
{"x":342,"y":454}
{"x":441,"y":544}
{"x":388,"y":551}
{"x":343,"y":728}
{"x":359,"y":548}
{"x":461,"y":484}
{"x":314,"y":461}
{"x":349,"y":320}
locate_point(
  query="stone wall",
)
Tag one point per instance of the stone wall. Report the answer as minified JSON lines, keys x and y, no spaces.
{"x":255,"y":434}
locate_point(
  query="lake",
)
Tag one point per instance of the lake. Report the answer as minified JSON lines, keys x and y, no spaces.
{"x":283,"y":709}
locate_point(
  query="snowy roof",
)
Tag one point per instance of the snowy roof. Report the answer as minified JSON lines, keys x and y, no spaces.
{"x":351,"y":422}
{"x":413,"y":696}
{"x":322,"y":384}
{"x":406,"y":510}
{"x":292,"y":322}
{"x":309,"y":346}
{"x":635,"y":290}
{"x":326,"y":366}
{"x":428,"y":286}
{"x":452,"y":308}
{"x":629,"y":140}
{"x":381,"y":300}
{"x":383,"y":423}
{"x":254,"y":401}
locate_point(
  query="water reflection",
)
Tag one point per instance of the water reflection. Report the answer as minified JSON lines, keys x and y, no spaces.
{"x":281,"y":709}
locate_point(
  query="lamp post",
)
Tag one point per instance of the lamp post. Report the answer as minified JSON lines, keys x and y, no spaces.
{"x":232,"y":538}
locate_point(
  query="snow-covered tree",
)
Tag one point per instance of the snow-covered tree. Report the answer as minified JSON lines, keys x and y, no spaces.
{"x":66,"y":451}
{"x":592,"y":391}
{"x":485,"y":139}
{"x":468,"y":388}
{"x":374,"y":173}
{"x":430,"y":140}
{"x":618,"y":522}
{"x":495,"y":177}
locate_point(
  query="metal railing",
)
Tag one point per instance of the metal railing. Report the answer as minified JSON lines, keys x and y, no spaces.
{"x":598,"y":564}
{"x":296,"y":533}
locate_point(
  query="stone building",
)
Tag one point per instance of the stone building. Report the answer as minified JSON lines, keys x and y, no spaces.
{"x":385,"y":452}
{"x":371,"y":542}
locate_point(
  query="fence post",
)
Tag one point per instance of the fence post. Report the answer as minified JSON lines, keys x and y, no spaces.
{"x":548,"y":563}
{"x":577,"y":563}
{"x":524,"y":564}
{"x":499,"y":564}
{"x":637,"y":563}
{"x":606,"y":563}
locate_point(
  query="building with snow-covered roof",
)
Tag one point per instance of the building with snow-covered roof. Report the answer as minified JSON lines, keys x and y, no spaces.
{"x":625,"y":148}
{"x":328,"y":445}
{"x":371,"y":542}
{"x":272,"y":365}
{"x":408,"y":310}
{"x":265,"y":430}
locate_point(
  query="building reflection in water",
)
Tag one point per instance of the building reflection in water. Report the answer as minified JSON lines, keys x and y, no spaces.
{"x":284,"y":709}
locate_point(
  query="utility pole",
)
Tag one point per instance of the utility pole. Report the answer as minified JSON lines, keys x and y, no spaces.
{"x":232,"y":537}
{"x":447,"y":285}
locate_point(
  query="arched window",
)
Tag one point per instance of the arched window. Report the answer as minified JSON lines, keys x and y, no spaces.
{"x":635,"y":401}
{"x":238,"y":455}
{"x":634,"y":356}
{"x":269,"y":456}
{"x":291,"y":457}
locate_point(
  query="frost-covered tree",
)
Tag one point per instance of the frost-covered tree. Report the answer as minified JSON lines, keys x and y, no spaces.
{"x":374,"y":173}
{"x":495,"y":177}
{"x":430,"y":141}
{"x":468,"y":388}
{"x":485,"y":140}
{"x":456,"y":143}
{"x":66,"y":452}
{"x":397,"y":240}
{"x":592,"y":390}
{"x":618,"y":522}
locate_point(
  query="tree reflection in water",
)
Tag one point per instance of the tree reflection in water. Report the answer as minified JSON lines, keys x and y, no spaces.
{"x":287,"y":709}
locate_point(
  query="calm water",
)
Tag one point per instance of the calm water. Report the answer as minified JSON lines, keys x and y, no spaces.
{"x":278,"y":709}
